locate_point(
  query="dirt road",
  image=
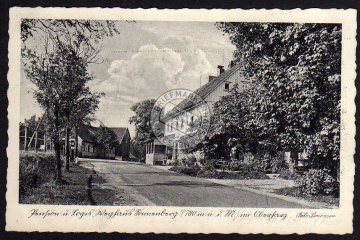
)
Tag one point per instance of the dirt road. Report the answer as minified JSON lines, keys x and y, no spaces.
{"x":148,"y":185}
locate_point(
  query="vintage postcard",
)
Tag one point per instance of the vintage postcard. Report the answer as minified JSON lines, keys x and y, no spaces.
{"x":181,"y":121}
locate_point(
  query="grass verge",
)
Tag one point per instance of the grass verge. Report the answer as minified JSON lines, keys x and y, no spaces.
{"x":294,"y":192}
{"x":219,"y":174}
{"x":73,"y":190}
{"x":80,"y":186}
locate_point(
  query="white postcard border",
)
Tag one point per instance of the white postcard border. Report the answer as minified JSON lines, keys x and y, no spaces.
{"x":17,"y":215}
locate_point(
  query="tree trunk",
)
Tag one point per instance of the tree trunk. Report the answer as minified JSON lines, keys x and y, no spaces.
{"x":57,"y":159}
{"x":36,"y":140}
{"x":76,"y":143}
{"x":67,"y":149}
{"x":57,"y":147}
{"x":294,"y":160}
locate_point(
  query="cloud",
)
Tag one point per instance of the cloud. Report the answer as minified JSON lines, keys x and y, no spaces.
{"x":154,"y":70}
{"x":174,"y":62}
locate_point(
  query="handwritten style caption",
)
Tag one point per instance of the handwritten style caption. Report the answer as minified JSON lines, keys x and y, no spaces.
{"x":171,"y":214}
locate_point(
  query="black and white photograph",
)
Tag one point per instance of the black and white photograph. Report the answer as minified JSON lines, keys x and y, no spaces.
{"x":216,"y":114}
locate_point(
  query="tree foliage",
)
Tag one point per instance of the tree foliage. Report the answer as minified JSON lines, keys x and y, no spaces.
{"x":83,"y":36}
{"x":105,"y":138}
{"x":56,"y":54}
{"x":141,"y":120}
{"x":293,"y":102}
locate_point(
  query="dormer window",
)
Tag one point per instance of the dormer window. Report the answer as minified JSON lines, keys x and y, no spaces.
{"x":227,"y":86}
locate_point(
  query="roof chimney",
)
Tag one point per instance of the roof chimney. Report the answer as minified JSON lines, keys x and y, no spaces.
{"x":232,"y":64}
{"x":211,"y":78}
{"x":221,"y":69}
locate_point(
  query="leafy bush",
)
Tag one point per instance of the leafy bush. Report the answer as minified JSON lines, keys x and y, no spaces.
{"x":235,"y":165}
{"x":286,"y":174}
{"x":175,"y":162}
{"x":189,"y":162}
{"x":318,"y":182}
{"x":184,"y":170}
{"x":34,"y":169}
{"x":207,"y":164}
{"x":255,"y":164}
{"x":278,"y":164}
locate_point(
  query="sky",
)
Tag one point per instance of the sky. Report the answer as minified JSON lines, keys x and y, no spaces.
{"x":144,"y":61}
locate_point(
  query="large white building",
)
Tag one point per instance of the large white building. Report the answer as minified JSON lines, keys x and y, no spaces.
{"x":177,"y":122}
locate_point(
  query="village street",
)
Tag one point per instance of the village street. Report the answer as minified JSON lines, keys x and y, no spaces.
{"x":149,"y":185}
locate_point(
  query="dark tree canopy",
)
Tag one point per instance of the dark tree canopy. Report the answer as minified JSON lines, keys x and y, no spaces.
{"x":105,"y":138}
{"x":141,"y":120}
{"x":293,"y":102}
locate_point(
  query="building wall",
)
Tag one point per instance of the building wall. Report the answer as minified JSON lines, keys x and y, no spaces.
{"x":179,"y":125}
{"x":235,"y":78}
{"x":86,"y":149}
{"x":193,"y":114}
{"x":108,"y":153}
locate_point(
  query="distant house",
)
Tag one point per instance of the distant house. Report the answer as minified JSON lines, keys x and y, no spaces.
{"x":86,"y":144}
{"x":122,"y":151}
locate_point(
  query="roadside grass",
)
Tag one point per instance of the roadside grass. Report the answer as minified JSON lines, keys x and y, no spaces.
{"x":72,"y":191}
{"x":294,"y":192}
{"x":80,"y":186}
{"x":218,"y":174}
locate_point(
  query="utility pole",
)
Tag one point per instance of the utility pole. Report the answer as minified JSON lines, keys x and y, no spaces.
{"x":25,"y":141}
{"x":36,"y":140}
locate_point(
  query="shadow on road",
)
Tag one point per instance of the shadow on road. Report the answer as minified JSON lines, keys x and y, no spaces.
{"x":139,"y":173}
{"x":190,"y":184}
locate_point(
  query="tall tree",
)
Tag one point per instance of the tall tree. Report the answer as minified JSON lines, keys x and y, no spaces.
{"x":76,"y":42}
{"x":142,"y":122}
{"x":80,"y":102}
{"x":295,"y":70}
{"x":58,"y":90}
{"x":105,"y":138}
{"x":47,"y":74}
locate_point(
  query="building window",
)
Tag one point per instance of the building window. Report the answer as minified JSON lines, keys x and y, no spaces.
{"x":192,"y":119}
{"x":227,"y":86}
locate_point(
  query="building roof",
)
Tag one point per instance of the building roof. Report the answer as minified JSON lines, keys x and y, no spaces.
{"x":203,"y":91}
{"x":87,"y":132}
{"x":120,"y":132}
